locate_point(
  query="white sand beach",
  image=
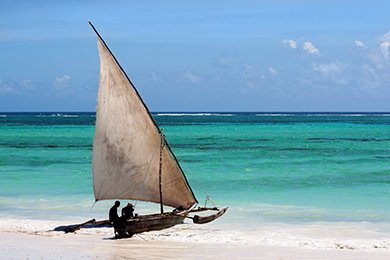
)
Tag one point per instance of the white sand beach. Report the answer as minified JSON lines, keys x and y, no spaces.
{"x":80,"y":245}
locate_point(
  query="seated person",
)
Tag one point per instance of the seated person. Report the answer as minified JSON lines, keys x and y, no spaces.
{"x":127,"y":212}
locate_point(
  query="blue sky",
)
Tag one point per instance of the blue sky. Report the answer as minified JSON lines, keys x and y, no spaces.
{"x":257,"y":56}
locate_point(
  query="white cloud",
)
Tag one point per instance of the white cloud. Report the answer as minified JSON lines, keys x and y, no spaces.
{"x":381,"y":57}
{"x":24,"y":88}
{"x":252,"y":79}
{"x":61,"y":83}
{"x":273,"y":71}
{"x":385,"y":50}
{"x":334,"y":67}
{"x":27,"y":84}
{"x":309,"y":48}
{"x":386,"y":37}
{"x":189,"y":76}
{"x":6,"y":88}
{"x":360,"y":44}
{"x":153,"y":77}
{"x":249,"y":72}
{"x":369,"y":69}
{"x":292,"y":43}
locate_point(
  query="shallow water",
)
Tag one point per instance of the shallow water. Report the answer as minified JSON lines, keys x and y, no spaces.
{"x":284,"y":176}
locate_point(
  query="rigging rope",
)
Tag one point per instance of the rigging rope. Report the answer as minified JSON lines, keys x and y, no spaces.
{"x":92,"y":206}
{"x":151,"y":159}
{"x":87,"y":214}
{"x":208,"y":196}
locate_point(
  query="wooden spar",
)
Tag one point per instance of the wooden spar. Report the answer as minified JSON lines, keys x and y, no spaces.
{"x":73,"y":229}
{"x":160,"y":171}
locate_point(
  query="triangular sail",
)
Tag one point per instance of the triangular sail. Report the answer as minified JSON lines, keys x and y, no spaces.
{"x":124,"y":144}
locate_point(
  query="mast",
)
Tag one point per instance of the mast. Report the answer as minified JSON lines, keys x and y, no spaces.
{"x":160,"y":173}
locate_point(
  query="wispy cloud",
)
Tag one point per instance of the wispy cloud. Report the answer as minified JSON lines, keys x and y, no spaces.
{"x":5,"y":89}
{"x":60,"y":87}
{"x":61,"y":83}
{"x":153,"y":77}
{"x":385,"y":50}
{"x":309,"y":48}
{"x":273,"y":71}
{"x":27,"y":84}
{"x":360,"y":44}
{"x":26,"y":87}
{"x":386,"y":37}
{"x":249,"y":72}
{"x":334,"y":67}
{"x":362,"y":74}
{"x":226,"y":60}
{"x":292,"y":43}
{"x":384,"y":47}
{"x":189,"y":77}
{"x":300,"y":44}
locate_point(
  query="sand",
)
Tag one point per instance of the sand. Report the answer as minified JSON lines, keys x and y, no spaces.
{"x":57,"y":245}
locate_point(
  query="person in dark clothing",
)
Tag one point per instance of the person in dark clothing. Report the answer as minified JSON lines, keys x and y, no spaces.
{"x":127,"y":212}
{"x":113,"y":216}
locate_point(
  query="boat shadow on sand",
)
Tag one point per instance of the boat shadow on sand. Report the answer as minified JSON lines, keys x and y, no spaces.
{"x":89,"y":224}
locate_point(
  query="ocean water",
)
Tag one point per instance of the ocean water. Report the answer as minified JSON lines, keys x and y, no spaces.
{"x":316,"y":180}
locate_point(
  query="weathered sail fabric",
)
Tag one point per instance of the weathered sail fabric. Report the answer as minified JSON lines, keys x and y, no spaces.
{"x":124,"y":142}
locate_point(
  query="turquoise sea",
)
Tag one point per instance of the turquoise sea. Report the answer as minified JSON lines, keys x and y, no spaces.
{"x":301,"y":179}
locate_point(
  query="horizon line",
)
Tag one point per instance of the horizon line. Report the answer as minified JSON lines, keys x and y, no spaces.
{"x":209,"y":112}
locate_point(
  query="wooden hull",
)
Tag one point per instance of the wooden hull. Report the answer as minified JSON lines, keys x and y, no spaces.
{"x":148,"y":223}
{"x":144,"y":223}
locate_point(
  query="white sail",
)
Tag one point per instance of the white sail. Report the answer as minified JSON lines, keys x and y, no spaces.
{"x":125,"y":142}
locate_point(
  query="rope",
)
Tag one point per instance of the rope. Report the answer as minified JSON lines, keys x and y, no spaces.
{"x":93,"y":205}
{"x":155,"y":148}
{"x":89,"y":211}
{"x":208,"y":196}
